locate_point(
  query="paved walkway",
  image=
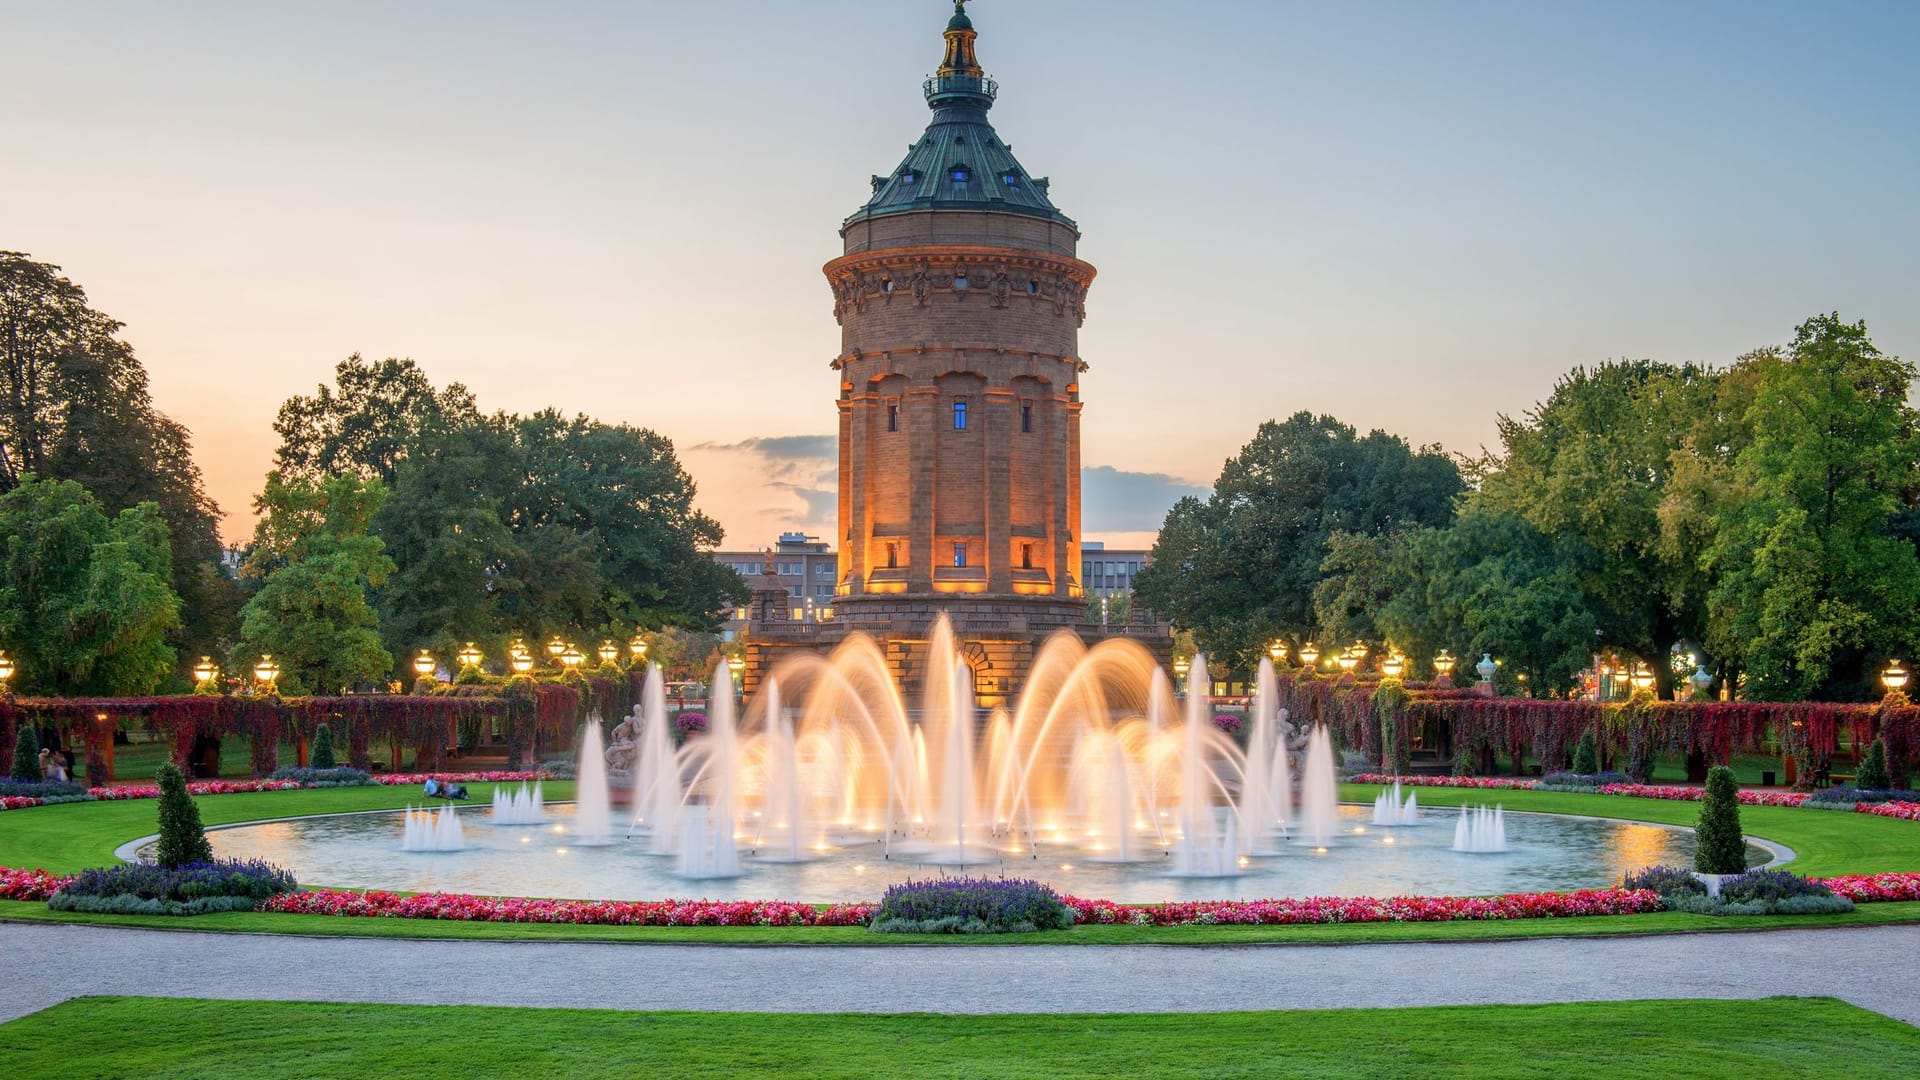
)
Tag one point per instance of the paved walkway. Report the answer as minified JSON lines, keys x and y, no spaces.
{"x":1865,"y":966}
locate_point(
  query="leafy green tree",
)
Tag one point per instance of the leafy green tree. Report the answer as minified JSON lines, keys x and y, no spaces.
{"x":26,"y":756}
{"x":1720,"y":847}
{"x":1494,"y":584}
{"x":84,"y":599}
{"x":75,"y":405}
{"x":1362,"y":572}
{"x":1812,"y":578}
{"x":1590,"y":467}
{"x":1586,"y":755}
{"x":1241,"y":567}
{"x":317,"y":563}
{"x":366,"y":422}
{"x":182,"y":838}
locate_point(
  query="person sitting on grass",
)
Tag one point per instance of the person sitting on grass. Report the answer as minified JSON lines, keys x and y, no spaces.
{"x":433,"y":788}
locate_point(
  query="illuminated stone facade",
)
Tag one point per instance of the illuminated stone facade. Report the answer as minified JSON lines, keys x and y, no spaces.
{"x":960,"y":299}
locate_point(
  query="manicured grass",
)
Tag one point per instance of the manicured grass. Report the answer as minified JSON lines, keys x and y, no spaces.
{"x":1670,"y":1040}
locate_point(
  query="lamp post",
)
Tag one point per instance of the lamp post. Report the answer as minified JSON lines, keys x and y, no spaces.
{"x":1642,"y":677}
{"x":1309,"y":656}
{"x":1277,"y":652}
{"x":521,"y":662}
{"x":1393,"y":665}
{"x":6,"y":674}
{"x":1894,"y":678}
{"x":609,"y":652}
{"x":469,"y":657}
{"x":424,"y":664}
{"x":266,"y":673}
{"x":557,"y":648}
{"x":1180,"y":669}
{"x":1348,"y":661}
{"x":204,"y":674}
{"x":571,"y":657}
{"x":637,"y":650}
{"x":1443,"y":668}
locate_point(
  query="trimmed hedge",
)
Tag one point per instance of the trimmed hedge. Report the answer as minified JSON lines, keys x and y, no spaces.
{"x":971,"y":906}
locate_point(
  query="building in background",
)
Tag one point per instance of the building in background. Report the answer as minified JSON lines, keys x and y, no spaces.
{"x":960,"y":297}
{"x":1110,"y":571}
{"x":805,"y":566}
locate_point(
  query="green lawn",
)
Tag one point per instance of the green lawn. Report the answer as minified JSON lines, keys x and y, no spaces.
{"x":74,"y":836}
{"x":1667,"y":1040}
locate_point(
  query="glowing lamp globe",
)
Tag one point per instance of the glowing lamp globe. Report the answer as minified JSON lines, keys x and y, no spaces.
{"x":609,"y":652}
{"x":1393,"y":665}
{"x":266,"y":671}
{"x":571,"y":656}
{"x":522,"y":663}
{"x":205,"y":671}
{"x":556,"y":648}
{"x":1278,"y":651}
{"x":6,"y":667}
{"x":637,"y":648}
{"x":1444,"y":663}
{"x":1895,"y":677}
{"x":1309,"y":654}
{"x":470,"y":656}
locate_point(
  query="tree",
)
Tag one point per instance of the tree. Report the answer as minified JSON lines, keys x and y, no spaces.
{"x":26,"y":756}
{"x":1720,"y":848}
{"x":1590,"y":467}
{"x":317,"y":564}
{"x":1586,"y":755}
{"x":182,"y":838}
{"x":1872,"y":773}
{"x":1813,"y":580}
{"x":365,"y":423}
{"x":1494,"y":584}
{"x":322,"y":756}
{"x":84,"y":599}
{"x":75,"y":405}
{"x":1241,"y":567}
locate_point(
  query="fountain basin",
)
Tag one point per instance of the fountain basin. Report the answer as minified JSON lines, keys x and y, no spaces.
{"x":1545,"y":852}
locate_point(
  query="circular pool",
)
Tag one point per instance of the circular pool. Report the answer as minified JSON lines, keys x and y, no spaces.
{"x":1545,"y":852}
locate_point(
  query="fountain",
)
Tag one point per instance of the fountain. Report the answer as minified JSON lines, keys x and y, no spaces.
{"x":1480,"y":830}
{"x":707,"y":847}
{"x":430,"y":830}
{"x":522,"y":807}
{"x":1266,"y":798}
{"x":1319,"y":794}
{"x":593,"y":809}
{"x":1389,"y":810}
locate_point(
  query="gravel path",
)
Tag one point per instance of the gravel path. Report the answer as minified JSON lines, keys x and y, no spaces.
{"x":1857,"y":965}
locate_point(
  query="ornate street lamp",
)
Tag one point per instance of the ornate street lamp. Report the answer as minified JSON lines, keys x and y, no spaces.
{"x":266,"y":673}
{"x":637,"y":649}
{"x":557,"y":648}
{"x":737,"y":667}
{"x":1309,"y":655}
{"x":1443,"y":664}
{"x":6,"y":670}
{"x":1180,"y":669}
{"x":204,"y":672}
{"x":1350,"y":660}
{"x":571,"y":657}
{"x":1393,"y":665}
{"x":469,"y":657}
{"x":609,"y":652}
{"x":424,"y":664}
{"x":1894,"y":678}
{"x":1277,"y":651}
{"x":521,"y":662}
{"x":1642,"y":677}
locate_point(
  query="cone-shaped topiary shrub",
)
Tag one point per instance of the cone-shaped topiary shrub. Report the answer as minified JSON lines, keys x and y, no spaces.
{"x":1586,"y":756}
{"x":1721,"y":847}
{"x":26,"y":756}
{"x":322,"y":755}
{"x":182,"y":839}
{"x":1872,"y":773}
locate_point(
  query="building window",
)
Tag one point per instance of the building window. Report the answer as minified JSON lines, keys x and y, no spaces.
{"x":1026,"y":556}
{"x":893,"y":556}
{"x":961,"y":176}
{"x":1026,"y":418}
{"x":824,"y":569}
{"x":798,"y":591}
{"x":959,"y":553}
{"x":893,"y":417}
{"x":908,"y":178}
{"x":959,"y":416}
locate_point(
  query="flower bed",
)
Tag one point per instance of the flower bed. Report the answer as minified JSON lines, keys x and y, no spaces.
{"x":498,"y":776}
{"x":1319,"y":910}
{"x":1905,"y":811}
{"x":460,"y":907}
{"x":1483,"y":783}
{"x":1691,"y":794}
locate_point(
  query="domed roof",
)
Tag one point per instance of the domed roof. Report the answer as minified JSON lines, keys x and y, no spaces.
{"x":960,"y":163}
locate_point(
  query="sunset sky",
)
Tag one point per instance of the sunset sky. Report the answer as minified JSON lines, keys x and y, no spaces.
{"x":1412,"y":216}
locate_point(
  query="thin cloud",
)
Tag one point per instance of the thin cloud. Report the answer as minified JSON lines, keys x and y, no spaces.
{"x":1118,"y":501}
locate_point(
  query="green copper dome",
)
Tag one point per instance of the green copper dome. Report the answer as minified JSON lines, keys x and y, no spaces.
{"x":960,"y":163}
